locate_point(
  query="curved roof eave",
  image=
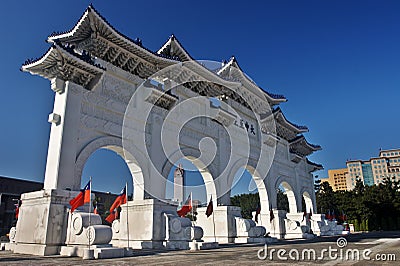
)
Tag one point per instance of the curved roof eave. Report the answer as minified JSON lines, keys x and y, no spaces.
{"x":91,"y":10}
{"x":296,"y":128}
{"x":302,"y":138}
{"x":272,"y":98}
{"x":173,"y":40}
{"x":317,"y":165}
{"x":30,"y":65}
{"x":91,"y":13}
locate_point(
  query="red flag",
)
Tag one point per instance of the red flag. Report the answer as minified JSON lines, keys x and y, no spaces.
{"x":186,"y":208}
{"x":271,"y":214}
{"x":121,"y":199}
{"x":16,"y":211}
{"x":210,"y":208}
{"x":111,"y":217}
{"x":95,"y":211}
{"x":87,"y":191}
{"x":258,"y":210}
{"x":328,"y":215}
{"x":82,"y":198}
{"x":342,"y":216}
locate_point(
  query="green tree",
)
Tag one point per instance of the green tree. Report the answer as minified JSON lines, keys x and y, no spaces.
{"x":325,"y":197}
{"x":247,"y":202}
{"x":282,"y":200}
{"x":375,"y":207}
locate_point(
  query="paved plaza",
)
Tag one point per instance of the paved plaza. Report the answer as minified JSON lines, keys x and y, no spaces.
{"x":382,"y":243}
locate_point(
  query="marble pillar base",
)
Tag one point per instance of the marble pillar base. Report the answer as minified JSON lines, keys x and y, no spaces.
{"x":41,"y":227}
{"x":143,"y":224}
{"x":100,"y":251}
{"x":275,"y":227}
{"x":223,"y":218}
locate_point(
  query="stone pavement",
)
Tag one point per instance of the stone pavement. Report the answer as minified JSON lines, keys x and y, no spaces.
{"x":384,"y":244}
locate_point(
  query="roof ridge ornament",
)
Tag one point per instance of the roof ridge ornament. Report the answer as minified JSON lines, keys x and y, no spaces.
{"x":138,"y":41}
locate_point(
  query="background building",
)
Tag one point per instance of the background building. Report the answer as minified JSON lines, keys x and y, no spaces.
{"x":10,"y":192}
{"x":370,"y":172}
{"x":376,"y":169}
{"x":337,"y":179}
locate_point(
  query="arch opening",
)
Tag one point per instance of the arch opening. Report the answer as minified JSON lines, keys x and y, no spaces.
{"x":249,"y":192}
{"x":127,"y":161}
{"x":197,"y":180}
{"x":107,"y":182}
{"x":308,"y":205}
{"x":286,"y":192}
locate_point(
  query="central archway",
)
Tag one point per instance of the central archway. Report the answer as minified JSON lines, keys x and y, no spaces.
{"x":206,"y":172}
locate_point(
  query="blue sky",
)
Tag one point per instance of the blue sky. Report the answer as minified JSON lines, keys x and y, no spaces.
{"x":337,"y":62}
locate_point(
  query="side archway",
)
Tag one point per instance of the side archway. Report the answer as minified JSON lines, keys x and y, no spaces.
{"x":114,"y":144}
{"x":289,"y":192}
{"x":308,"y":201}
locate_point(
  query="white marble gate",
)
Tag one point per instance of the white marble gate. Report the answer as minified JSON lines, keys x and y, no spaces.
{"x":153,"y":108}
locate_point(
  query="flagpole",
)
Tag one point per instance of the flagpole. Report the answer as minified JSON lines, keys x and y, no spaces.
{"x":273,"y":225}
{"x":191,"y":204}
{"x":215,"y":237}
{"x":69,"y":224}
{"x":90,"y":207}
{"x":273,"y":220}
{"x":127,"y":200}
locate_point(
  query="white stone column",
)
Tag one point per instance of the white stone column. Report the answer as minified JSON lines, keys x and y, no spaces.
{"x":61,"y":154}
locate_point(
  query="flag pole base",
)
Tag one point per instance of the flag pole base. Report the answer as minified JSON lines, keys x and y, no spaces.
{"x":194,"y":246}
{"x":128,"y":252}
{"x":88,"y":254}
